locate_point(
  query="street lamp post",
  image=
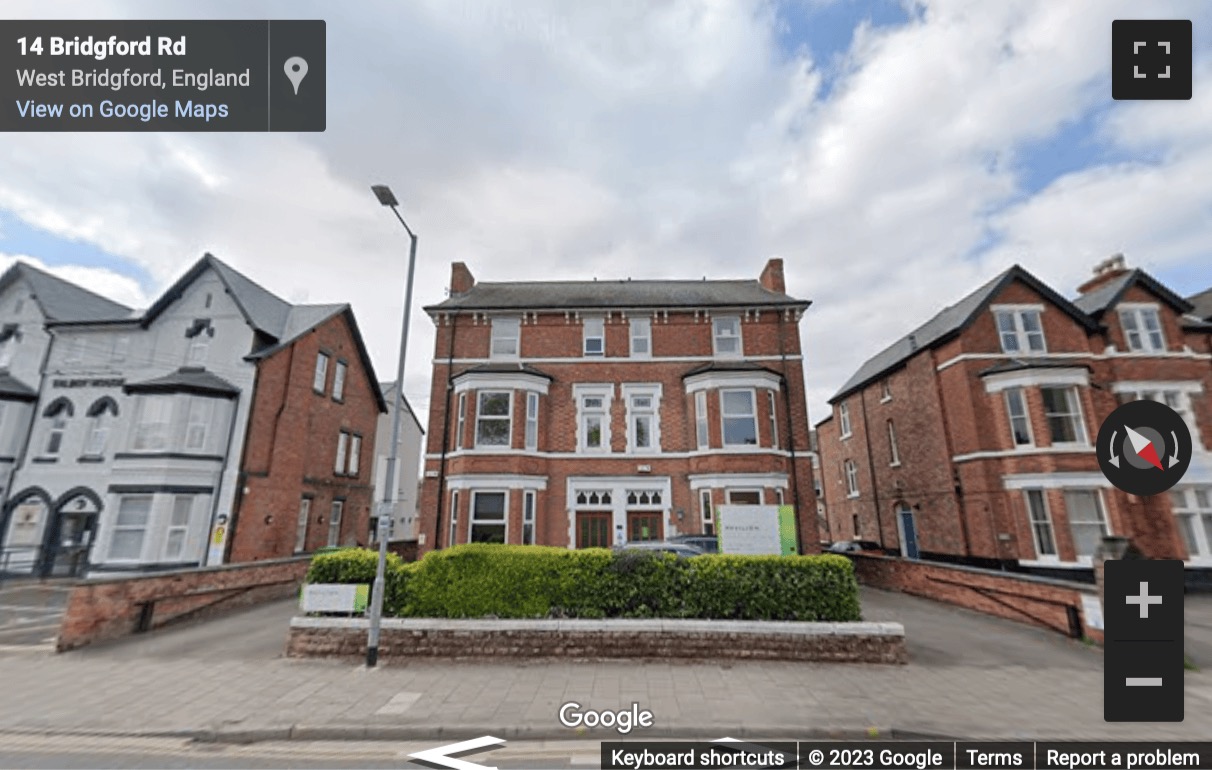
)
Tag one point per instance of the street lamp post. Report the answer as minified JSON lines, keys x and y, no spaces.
{"x":385,"y":196}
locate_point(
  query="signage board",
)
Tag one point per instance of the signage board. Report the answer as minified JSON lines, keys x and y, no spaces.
{"x":334,"y":597}
{"x":756,"y":529}
{"x":1092,"y":609}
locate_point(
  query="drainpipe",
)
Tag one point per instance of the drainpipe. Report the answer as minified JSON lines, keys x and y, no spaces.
{"x":437,"y":533}
{"x":795,"y":484}
{"x":959,"y":490}
{"x":875,"y":489}
{"x":24,"y":453}
{"x":214,"y":512}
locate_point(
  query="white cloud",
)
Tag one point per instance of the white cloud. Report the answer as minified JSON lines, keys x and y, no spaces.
{"x":107,"y":283}
{"x":556,"y":140}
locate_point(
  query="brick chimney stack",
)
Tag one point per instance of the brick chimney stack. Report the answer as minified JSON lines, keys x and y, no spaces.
{"x":1104,"y":271}
{"x":461,"y":279}
{"x":772,"y":276}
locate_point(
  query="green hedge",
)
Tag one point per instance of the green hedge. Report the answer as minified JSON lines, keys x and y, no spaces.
{"x":483,"y":580}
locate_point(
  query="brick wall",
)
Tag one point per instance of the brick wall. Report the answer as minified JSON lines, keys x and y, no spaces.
{"x":292,"y":446}
{"x":1038,"y":601}
{"x":403,"y":640}
{"x":112,"y":608}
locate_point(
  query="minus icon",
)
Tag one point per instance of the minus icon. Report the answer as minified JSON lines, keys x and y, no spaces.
{"x":1143,"y":681}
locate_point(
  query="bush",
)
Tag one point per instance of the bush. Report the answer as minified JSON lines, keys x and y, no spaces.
{"x":508,"y":581}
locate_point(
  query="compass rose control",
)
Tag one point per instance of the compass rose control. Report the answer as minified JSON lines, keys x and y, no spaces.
{"x":1144,"y":448}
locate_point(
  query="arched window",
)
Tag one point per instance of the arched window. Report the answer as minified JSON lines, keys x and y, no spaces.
{"x":57,"y":412}
{"x":101,"y":415}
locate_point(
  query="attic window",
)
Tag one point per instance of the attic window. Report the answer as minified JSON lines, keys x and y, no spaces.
{"x":1020,"y":329}
{"x":1142,"y":328}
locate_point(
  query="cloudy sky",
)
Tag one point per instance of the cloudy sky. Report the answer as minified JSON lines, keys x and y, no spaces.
{"x":895,"y":154}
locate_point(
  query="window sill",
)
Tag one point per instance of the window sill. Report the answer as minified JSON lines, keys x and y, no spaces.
{"x":845,"y":436}
{"x":91,"y":459}
{"x":43,"y":460}
{"x":852,"y":497}
{"x":896,"y":464}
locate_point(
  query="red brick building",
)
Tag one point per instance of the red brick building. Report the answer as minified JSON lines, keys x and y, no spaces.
{"x":972,"y":438}
{"x":587,"y":413}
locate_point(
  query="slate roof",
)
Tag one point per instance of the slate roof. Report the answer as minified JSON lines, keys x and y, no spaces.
{"x":1097,"y":302}
{"x":949,"y":322}
{"x":613,"y":295}
{"x":62,"y":300}
{"x":501,"y":368}
{"x":187,"y":379}
{"x":388,"y":390}
{"x":728,"y":366}
{"x":1202,"y":304}
{"x":13,"y":389}
{"x":262,"y":309}
{"x":1021,"y":364}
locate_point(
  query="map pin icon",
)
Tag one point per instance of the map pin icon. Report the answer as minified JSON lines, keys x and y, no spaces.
{"x":296,"y":70}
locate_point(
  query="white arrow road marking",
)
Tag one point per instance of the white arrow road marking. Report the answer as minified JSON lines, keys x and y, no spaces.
{"x":441,"y":755}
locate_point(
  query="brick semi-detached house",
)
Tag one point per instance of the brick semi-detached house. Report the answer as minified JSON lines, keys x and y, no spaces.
{"x":972,"y":438}
{"x":587,"y":413}
{"x":221,"y":424}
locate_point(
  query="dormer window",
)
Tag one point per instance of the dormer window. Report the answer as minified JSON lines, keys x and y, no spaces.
{"x":726,"y":334}
{"x":1142,"y":328}
{"x":505,"y":333}
{"x":1020,"y":330}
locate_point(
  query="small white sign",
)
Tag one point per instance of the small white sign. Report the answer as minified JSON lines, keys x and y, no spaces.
{"x":384,"y":525}
{"x":330,"y":597}
{"x":749,"y":529}
{"x":1092,"y":609}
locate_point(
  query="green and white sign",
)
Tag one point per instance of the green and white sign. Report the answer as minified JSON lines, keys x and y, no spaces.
{"x":334,"y":597}
{"x":756,"y":530}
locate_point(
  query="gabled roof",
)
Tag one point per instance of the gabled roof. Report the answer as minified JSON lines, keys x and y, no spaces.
{"x":1202,"y":305}
{"x":388,"y":389}
{"x":62,"y":300}
{"x":263,"y":310}
{"x":303,"y":318}
{"x":187,"y":379}
{"x":13,"y":389}
{"x":614,"y":295}
{"x":949,"y":322}
{"x":1104,"y":297}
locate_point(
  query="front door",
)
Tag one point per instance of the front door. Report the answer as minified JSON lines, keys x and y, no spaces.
{"x":645,"y":525}
{"x":593,"y":529}
{"x":68,"y":553}
{"x":908,"y":534}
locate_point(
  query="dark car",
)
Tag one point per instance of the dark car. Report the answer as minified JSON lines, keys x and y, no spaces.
{"x":680,"y":550}
{"x":705,"y":543}
{"x":854,"y":546}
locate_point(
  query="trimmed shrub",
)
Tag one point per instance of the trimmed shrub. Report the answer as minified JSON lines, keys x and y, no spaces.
{"x":508,"y":581}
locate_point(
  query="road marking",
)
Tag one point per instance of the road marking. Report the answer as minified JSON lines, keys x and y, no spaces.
{"x":441,"y":755}
{"x":399,"y":703}
{"x":6,"y":648}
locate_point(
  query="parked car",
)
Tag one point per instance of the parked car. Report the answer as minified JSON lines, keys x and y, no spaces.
{"x":680,"y":550}
{"x":705,"y":543}
{"x":854,"y":546}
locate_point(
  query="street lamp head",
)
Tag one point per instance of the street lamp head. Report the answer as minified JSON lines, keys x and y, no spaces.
{"x":384,"y":194}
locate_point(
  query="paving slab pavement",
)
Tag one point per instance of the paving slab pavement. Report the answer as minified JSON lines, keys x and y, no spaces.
{"x":970,"y":676}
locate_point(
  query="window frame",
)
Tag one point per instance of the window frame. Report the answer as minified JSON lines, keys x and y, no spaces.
{"x":319,"y":377}
{"x":885,"y":390}
{"x":717,"y":337}
{"x":845,"y":429}
{"x":119,"y":527}
{"x":507,"y":418}
{"x":172,"y":527}
{"x":98,"y":427}
{"x":198,"y":349}
{"x":1140,"y":327}
{"x":730,"y":494}
{"x":353,"y":462}
{"x":702,"y":431}
{"x":772,"y":408}
{"x":1019,"y":332}
{"x":336,"y":513}
{"x":706,"y":512}
{"x":145,"y":431}
{"x":850,"y":476}
{"x":605,"y":393}
{"x":339,"y":373}
{"x":500,"y":332}
{"x":531,"y":438}
{"x":302,"y":523}
{"x":1025,"y":417}
{"x":1081,"y":437}
{"x":528,"y":516}
{"x":208,"y":409}
{"x":1100,"y":507}
{"x":894,"y":452}
{"x":474,"y":519}
{"x":460,"y":420}
{"x":1035,"y":523}
{"x":652,"y":413}
{"x":643,"y":325}
{"x":725,"y":416}
{"x":586,"y":335}
{"x":342,"y":453}
{"x":58,"y":429}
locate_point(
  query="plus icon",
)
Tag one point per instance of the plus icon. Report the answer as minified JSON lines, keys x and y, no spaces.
{"x":1151,"y":59}
{"x":1144,"y":600}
